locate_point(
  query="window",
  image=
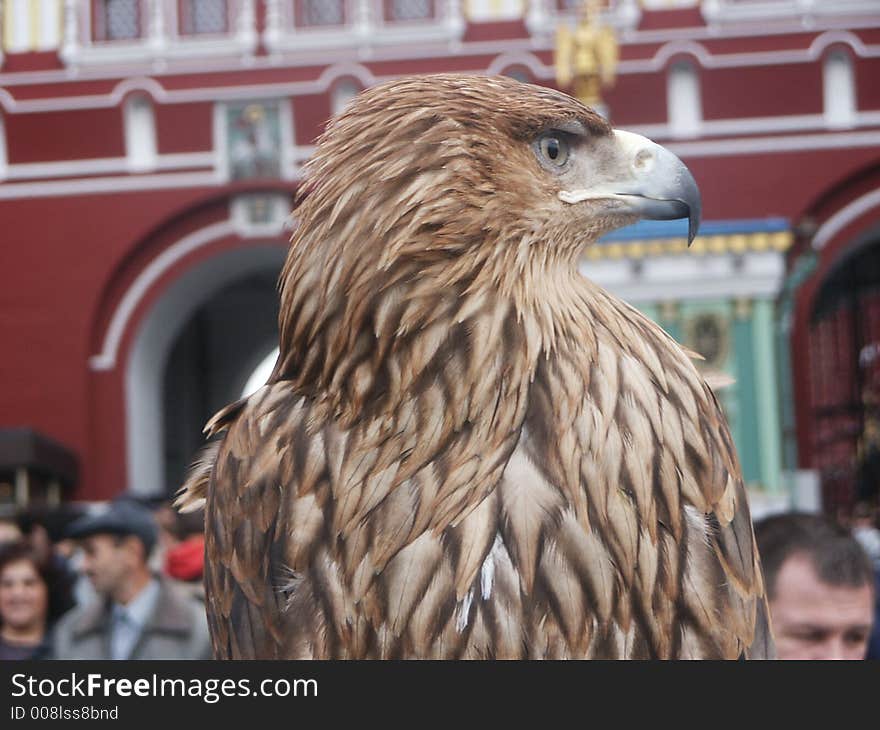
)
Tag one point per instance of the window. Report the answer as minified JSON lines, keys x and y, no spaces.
{"x":409,"y":9}
{"x":320,"y":12}
{"x":203,"y":16}
{"x":342,"y":94}
{"x":117,"y":20}
{"x":253,"y":140}
{"x":140,"y":133}
{"x":683,"y":100}
{"x":839,"y":89}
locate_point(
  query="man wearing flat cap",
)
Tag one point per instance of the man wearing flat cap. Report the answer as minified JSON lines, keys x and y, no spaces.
{"x":136,"y":615}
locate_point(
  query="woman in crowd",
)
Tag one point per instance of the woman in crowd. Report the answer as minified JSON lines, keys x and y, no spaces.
{"x":31,"y":599}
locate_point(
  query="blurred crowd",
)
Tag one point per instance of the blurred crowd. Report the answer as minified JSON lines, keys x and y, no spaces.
{"x":124,"y":581}
{"x":117,"y":581}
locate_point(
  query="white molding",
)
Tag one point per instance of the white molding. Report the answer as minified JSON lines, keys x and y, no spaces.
{"x":536,"y":67}
{"x":771,"y":145}
{"x":806,"y":12}
{"x":709,"y":60}
{"x":689,"y":276}
{"x":294,"y":155}
{"x":624,"y":16}
{"x":301,"y":55}
{"x":246,"y":25}
{"x":508,"y":52}
{"x":323,"y":83}
{"x":106,"y":165}
{"x":365,"y":30}
{"x":51,"y":32}
{"x":330,"y":74}
{"x":106,"y":358}
{"x":104,"y":185}
{"x":842,"y":218}
{"x":4,"y":161}
{"x":760,"y":125}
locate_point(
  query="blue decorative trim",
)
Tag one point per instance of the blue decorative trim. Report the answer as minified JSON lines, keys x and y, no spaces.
{"x":678,"y":229}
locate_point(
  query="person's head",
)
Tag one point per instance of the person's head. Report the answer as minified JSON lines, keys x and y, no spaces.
{"x":820,"y":586}
{"x":116,"y":548}
{"x":176,"y":527}
{"x":112,"y":562}
{"x":25,"y":589}
{"x":9,"y":530}
{"x":864,"y":515}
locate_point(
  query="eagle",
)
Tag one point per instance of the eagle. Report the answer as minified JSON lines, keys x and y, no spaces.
{"x":467,"y":449}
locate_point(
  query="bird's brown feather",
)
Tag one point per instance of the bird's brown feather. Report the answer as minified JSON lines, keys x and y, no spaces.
{"x":466,"y":449}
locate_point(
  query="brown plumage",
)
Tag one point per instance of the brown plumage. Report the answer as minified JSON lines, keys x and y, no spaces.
{"x":466,"y":449}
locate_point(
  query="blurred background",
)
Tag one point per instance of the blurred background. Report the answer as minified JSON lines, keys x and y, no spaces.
{"x":149,"y":151}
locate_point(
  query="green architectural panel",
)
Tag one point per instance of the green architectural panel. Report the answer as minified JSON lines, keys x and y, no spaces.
{"x":724,"y":359}
{"x":746,"y":350}
{"x":767,"y":396}
{"x":747,"y":434}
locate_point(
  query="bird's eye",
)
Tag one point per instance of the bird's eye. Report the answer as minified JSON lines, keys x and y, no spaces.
{"x":554,"y":149}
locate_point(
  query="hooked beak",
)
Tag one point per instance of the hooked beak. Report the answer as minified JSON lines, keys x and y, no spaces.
{"x":649,"y":181}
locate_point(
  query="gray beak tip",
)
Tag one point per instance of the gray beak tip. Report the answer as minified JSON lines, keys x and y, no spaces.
{"x":693,"y":220}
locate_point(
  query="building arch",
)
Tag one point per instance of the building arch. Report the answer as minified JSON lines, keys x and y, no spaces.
{"x":840,"y":39}
{"x":675,"y":51}
{"x":520,"y":60}
{"x":835,"y":316}
{"x":355,"y":71}
{"x":184,"y":271}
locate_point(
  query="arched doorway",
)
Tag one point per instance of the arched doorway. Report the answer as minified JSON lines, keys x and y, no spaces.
{"x":844,"y":354}
{"x":211,"y":360}
{"x":830,"y":318}
{"x":193,"y":354}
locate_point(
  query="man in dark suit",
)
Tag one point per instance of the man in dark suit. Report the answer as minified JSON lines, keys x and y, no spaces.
{"x":136,"y":615}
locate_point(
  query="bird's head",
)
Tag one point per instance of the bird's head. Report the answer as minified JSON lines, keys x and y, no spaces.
{"x":453,"y":167}
{"x":457,"y":184}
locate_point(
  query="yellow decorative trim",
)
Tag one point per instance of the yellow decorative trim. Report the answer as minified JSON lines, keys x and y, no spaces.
{"x":736,"y":243}
{"x":35,"y":12}
{"x":7,"y":25}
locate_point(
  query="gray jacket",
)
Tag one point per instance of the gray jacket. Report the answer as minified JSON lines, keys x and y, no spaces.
{"x":176,"y":629}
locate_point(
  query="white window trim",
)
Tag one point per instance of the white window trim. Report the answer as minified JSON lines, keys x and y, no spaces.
{"x":839,"y":90}
{"x":364,"y":28}
{"x":727,"y":11}
{"x":160,"y":42}
{"x":543,"y":17}
{"x":139,"y":117}
{"x":683,"y":100}
{"x":4,"y":160}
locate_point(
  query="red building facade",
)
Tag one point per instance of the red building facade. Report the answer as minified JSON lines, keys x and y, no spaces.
{"x":150,"y":150}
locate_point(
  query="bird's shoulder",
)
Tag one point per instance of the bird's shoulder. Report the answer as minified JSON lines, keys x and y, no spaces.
{"x":635,"y":453}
